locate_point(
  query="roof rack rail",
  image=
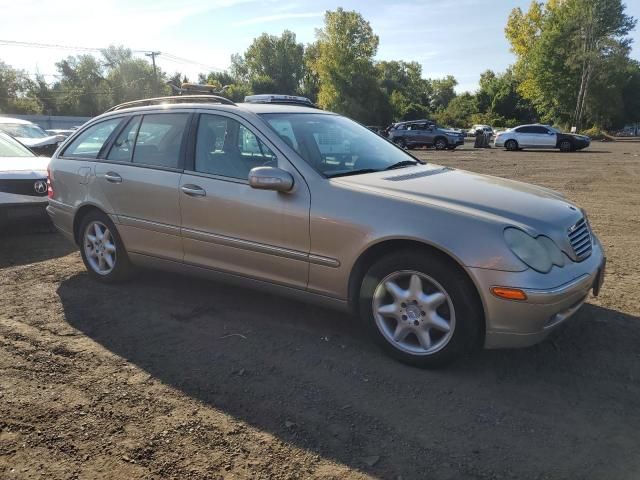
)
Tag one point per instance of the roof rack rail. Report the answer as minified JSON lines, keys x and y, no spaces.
{"x":173,"y":99}
{"x":279,"y":99}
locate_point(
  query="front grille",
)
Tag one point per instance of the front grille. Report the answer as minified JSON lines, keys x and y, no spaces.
{"x":23,"y":187}
{"x":580,"y":239}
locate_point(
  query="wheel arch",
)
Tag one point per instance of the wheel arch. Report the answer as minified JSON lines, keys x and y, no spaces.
{"x":386,"y":246}
{"x":79,"y":215}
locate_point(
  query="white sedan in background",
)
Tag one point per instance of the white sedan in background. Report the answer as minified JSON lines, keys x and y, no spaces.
{"x":540,"y":136}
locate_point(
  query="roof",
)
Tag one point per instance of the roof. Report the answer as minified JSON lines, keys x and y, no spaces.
{"x":15,"y":120}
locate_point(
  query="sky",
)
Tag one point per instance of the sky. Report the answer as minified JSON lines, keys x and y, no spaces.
{"x":462,"y":38}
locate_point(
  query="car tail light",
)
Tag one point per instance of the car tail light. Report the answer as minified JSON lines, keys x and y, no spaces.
{"x":49,"y":185}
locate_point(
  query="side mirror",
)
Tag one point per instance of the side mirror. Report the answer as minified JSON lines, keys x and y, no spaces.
{"x":270,"y":178}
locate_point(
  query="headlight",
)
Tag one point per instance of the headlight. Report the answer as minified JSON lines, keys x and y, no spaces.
{"x":539,"y":253}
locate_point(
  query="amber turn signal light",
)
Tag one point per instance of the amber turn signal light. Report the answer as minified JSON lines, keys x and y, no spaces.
{"x":509,"y":293}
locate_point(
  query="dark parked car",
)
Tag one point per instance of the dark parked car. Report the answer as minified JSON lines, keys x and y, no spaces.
{"x":424,"y":133}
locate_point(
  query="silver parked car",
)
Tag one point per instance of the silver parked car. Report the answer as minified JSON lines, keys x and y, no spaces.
{"x":308,"y":203}
{"x":540,"y":136}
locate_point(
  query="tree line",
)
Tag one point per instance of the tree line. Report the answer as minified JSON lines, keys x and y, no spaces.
{"x":572,"y":68}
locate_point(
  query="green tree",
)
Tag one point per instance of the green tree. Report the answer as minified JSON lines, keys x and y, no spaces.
{"x":459,"y":111}
{"x":443,"y":91}
{"x":273,"y":64}
{"x":562,"y":48}
{"x":346,"y":72}
{"x":15,"y":91}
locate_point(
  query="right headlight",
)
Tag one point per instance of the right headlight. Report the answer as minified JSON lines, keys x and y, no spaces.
{"x":540,"y":253}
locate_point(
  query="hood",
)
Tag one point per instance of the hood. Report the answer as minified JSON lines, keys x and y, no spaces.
{"x":450,"y":131}
{"x":23,"y":167}
{"x":508,"y":202}
{"x":39,"y":142}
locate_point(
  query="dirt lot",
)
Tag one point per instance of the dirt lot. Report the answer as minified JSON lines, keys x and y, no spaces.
{"x":172,"y":377}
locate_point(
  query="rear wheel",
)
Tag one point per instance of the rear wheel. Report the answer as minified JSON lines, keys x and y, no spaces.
{"x":401,"y":143}
{"x":566,"y":146}
{"x":419,"y":309}
{"x":511,"y":145}
{"x":440,"y":144}
{"x":102,"y":250}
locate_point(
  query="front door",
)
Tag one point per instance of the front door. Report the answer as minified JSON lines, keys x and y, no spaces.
{"x":229,"y":226}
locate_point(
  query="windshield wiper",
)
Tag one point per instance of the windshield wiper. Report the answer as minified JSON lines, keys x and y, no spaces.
{"x":354,"y":172}
{"x":403,"y":163}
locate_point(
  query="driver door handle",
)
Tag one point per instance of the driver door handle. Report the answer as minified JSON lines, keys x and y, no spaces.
{"x":193,"y":190}
{"x":113,"y":177}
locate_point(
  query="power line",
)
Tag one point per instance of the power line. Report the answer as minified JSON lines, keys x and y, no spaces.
{"x":168,"y":56}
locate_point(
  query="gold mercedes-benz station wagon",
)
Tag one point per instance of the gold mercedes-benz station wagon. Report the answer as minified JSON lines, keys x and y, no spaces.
{"x":274,"y":193}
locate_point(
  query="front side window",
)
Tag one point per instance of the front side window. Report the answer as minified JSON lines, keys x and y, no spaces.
{"x":12,"y":148}
{"x":335,"y":145}
{"x":89,"y":143}
{"x":540,"y":130}
{"x":227,"y":148}
{"x":159,"y":139}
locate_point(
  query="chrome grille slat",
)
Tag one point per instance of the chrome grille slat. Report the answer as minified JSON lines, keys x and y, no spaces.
{"x":580,"y":239}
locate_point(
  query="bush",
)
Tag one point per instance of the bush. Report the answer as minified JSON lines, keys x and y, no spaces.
{"x":594,"y":132}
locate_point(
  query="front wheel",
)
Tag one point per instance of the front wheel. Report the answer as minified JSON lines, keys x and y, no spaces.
{"x":102,"y":250}
{"x":420,"y":308}
{"x":565,"y":146}
{"x":441,"y":144}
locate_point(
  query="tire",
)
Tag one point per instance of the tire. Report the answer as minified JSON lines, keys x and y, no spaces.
{"x":96,"y":250}
{"x":441,"y":143}
{"x":402,"y":143}
{"x":565,"y":146}
{"x":453,"y":304}
{"x":511,"y":145}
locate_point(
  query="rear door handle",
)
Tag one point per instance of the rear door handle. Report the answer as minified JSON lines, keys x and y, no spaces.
{"x":193,"y":190}
{"x":113,"y":177}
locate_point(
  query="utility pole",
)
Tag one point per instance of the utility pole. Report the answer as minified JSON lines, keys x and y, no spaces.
{"x":153,"y":56}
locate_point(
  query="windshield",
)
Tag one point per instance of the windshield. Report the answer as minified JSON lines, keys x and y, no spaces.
{"x":11,"y":148}
{"x":23,"y":130}
{"x":335,"y":145}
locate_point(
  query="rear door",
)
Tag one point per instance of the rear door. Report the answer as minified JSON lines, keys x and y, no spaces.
{"x":525,"y":137}
{"x":139,"y":177}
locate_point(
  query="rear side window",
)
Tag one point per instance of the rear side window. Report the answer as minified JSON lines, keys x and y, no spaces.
{"x":123,"y":146}
{"x":525,"y":130}
{"x":159,"y":139}
{"x":89,"y":143}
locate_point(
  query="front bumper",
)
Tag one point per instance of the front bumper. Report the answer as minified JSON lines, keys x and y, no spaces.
{"x":552,"y":298}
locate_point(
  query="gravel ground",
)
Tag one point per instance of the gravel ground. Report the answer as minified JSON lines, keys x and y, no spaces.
{"x":174,"y":377}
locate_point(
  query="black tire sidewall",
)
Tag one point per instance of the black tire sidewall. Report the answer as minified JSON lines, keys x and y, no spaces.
{"x":565,"y":142}
{"x":511,"y":145}
{"x":443,"y":144}
{"x":122,"y":269}
{"x":469,"y":315}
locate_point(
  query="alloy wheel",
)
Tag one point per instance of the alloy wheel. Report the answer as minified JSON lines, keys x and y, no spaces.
{"x":99,"y":248}
{"x":414,"y":312}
